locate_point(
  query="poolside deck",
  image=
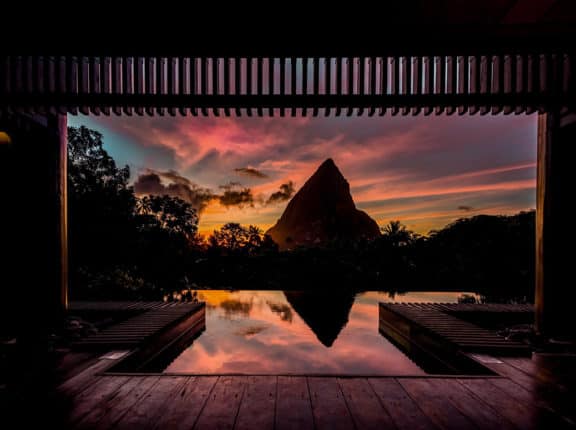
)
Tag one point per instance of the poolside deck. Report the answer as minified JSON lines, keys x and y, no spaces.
{"x":532,"y":393}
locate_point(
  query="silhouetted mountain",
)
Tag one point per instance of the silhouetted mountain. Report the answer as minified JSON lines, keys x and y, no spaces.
{"x":322,"y":211}
{"x":325,"y":314}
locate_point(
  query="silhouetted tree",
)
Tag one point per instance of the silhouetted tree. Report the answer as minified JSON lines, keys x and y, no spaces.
{"x":119,"y":244}
{"x":173,"y":214}
{"x":397,"y":234}
{"x":100,"y":202}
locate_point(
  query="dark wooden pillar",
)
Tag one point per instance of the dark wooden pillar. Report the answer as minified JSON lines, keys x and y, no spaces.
{"x":34,"y":221}
{"x":555,"y":234}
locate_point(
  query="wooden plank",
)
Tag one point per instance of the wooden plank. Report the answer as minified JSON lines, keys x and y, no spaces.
{"x":222,"y":406}
{"x":258,"y":403}
{"x":451,"y":77}
{"x":560,"y":409}
{"x":469,"y":405}
{"x":365,"y":408}
{"x":283,"y":66}
{"x":515,"y":412}
{"x":193,"y":82}
{"x":145,"y":413}
{"x":248,"y":80}
{"x":184,"y":407}
{"x":271,"y":84}
{"x":437,"y":407}
{"x":497,"y":80}
{"x":215,"y":63}
{"x":428,"y":81}
{"x":402,"y":409}
{"x":328,"y":405}
{"x":394,"y":81}
{"x":328,"y":82}
{"x":348,"y":77}
{"x":259,"y":81}
{"x":106,"y":71}
{"x":521,"y":79}
{"x":373,"y":74}
{"x":160,"y":81}
{"x":338,"y":80}
{"x":105,"y":413}
{"x":82,"y":380}
{"x":293,"y":407}
{"x":99,"y":391}
{"x":416,"y":81}
{"x":172,"y":81}
{"x":304,"y":80}
{"x":361,"y":79}
{"x":315,"y":81}
{"x":440,"y":84}
{"x":406,"y":68}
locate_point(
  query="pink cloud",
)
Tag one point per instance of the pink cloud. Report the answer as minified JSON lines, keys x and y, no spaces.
{"x":384,"y":159}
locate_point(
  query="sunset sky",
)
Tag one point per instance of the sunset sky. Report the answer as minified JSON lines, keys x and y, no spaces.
{"x":424,"y":171}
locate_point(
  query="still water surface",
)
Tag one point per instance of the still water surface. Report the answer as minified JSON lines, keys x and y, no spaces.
{"x":295,"y":332}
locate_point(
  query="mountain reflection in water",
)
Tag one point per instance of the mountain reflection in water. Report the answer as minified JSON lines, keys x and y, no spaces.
{"x":294,"y":332}
{"x":326,"y":315}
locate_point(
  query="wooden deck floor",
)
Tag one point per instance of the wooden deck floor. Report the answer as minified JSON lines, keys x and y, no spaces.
{"x":137,"y":330}
{"x":435,"y":319}
{"x":534,"y":393}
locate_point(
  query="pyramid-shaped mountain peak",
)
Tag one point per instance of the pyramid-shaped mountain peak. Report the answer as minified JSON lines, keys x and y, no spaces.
{"x":322,"y":211}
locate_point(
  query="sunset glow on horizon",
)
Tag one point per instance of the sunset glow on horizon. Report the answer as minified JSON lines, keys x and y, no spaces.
{"x":424,"y":171}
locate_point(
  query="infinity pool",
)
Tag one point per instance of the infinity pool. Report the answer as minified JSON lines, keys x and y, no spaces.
{"x":294,"y":332}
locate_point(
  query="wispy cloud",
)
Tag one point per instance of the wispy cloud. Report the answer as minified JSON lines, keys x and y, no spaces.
{"x":250,"y":172}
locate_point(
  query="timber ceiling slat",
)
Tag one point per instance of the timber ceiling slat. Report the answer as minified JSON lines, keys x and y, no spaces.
{"x":248,"y":80}
{"x":271,"y":81}
{"x":428,"y":72}
{"x":463,"y":73}
{"x":204,"y":72}
{"x":128,"y":82}
{"x":485,"y":80}
{"x":304,"y":89}
{"x":395,"y":80}
{"x":72,"y":81}
{"x":489,"y":83}
{"x":215,"y":81}
{"x":172,"y":69}
{"x":139,"y":81}
{"x":361,"y":81}
{"x":405,"y":67}
{"x":283,"y":65}
{"x":105,"y":74}
{"x":150,"y":79}
{"x":227,"y":81}
{"x":509,"y":79}
{"x":315,"y":80}
{"x":160,"y":81}
{"x":259,"y":81}
{"x":497,"y":80}
{"x":373,"y":76}
{"x":328,"y":82}
{"x":349,"y":82}
{"x":440,"y":81}
{"x":451,"y":77}
{"x":183,"y":82}
{"x":95,"y":82}
{"x":116,"y":81}
{"x":338,"y":82}
{"x":238,"y":81}
{"x":83,"y":81}
{"x":416,"y":81}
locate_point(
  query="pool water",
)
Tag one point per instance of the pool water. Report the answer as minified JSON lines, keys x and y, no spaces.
{"x":295,"y":332}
